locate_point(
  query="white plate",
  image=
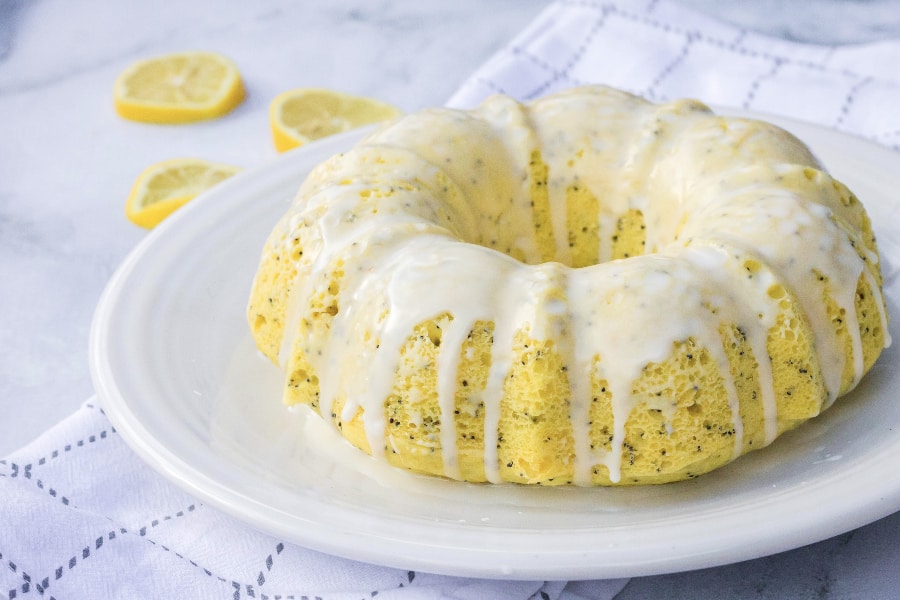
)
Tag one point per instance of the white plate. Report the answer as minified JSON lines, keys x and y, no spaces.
{"x":176,"y":370}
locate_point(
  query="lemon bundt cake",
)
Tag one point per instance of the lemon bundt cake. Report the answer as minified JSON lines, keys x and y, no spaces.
{"x":588,"y":289}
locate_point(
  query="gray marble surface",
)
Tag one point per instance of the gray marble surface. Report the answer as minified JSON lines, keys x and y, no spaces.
{"x":67,"y":163}
{"x":810,"y":21}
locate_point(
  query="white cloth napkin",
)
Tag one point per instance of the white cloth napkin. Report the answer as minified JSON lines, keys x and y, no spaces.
{"x":82,"y":517}
{"x":660,"y":50}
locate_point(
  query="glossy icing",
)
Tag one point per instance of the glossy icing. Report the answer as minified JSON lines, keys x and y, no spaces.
{"x":435,"y":215}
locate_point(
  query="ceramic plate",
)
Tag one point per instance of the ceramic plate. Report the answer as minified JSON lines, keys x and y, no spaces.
{"x":176,"y":370}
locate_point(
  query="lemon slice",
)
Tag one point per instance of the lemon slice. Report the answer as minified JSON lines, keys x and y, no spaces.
{"x":178,"y":88}
{"x":299,"y":116}
{"x":166,"y":186}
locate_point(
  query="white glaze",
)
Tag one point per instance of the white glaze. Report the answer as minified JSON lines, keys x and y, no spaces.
{"x":405,"y":265}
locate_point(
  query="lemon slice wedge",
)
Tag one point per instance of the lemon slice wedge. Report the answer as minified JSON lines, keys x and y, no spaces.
{"x":178,"y":88}
{"x":299,"y":116}
{"x":165,"y":186}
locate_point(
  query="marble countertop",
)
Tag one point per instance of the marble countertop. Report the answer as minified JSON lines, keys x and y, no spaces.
{"x":67,"y":163}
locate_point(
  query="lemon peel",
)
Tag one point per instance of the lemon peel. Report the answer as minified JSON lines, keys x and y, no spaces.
{"x":301,"y":115}
{"x":164,"y":187}
{"x":178,"y":88}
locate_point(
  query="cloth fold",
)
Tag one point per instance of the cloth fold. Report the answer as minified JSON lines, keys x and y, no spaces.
{"x":82,"y":516}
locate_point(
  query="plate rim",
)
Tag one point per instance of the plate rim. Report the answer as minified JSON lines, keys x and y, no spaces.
{"x":405,"y":553}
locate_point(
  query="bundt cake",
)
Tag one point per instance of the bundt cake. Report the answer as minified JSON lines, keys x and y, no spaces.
{"x":589,"y":289}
